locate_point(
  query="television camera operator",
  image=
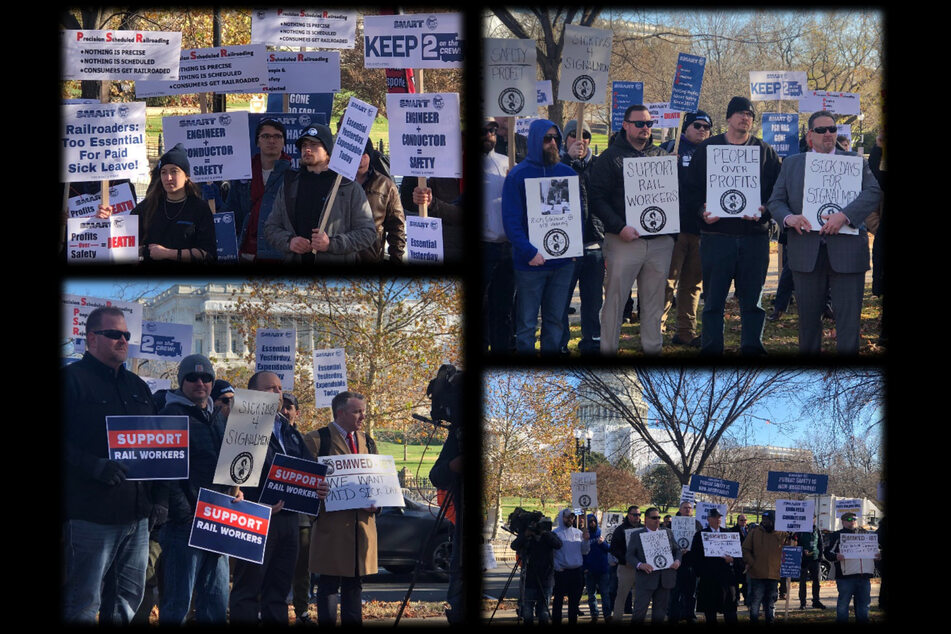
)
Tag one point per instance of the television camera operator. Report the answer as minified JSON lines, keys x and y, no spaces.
{"x":535,"y":544}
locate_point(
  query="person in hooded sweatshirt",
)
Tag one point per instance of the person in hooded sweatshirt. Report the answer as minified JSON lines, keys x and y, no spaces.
{"x":539,"y":282}
{"x":569,"y":562}
{"x":597,"y":571}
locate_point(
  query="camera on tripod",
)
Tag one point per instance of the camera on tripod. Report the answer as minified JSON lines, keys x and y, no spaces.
{"x":521,"y":520}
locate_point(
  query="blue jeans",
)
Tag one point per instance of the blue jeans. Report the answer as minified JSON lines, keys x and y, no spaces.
{"x":498,"y":295}
{"x":849,"y":587}
{"x":548,"y":289}
{"x":188,"y":570}
{"x":762,"y":591}
{"x":742,"y":260}
{"x":784,"y":289}
{"x":596,"y":582}
{"x":105,"y":571}
{"x":535,"y":605}
{"x":589,"y":273}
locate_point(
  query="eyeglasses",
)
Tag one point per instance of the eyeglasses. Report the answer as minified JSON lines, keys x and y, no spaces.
{"x":640,"y":124}
{"x":114,"y":334}
{"x":270,"y":137}
{"x":848,"y":519}
{"x":194,"y":377}
{"x":585,"y":135}
{"x":653,"y":517}
{"x":548,"y":138}
{"x":824,"y":129}
{"x":700,"y":126}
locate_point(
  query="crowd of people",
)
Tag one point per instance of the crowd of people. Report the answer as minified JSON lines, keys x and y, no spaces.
{"x":825,"y":267}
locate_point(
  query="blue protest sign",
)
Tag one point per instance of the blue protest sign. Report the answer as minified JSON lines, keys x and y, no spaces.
{"x":152,"y":447}
{"x":163,"y":342}
{"x":788,"y":482}
{"x":237,"y":529}
{"x":791,"y":563}
{"x":688,"y":79}
{"x":295,"y":481}
{"x":623,"y":95}
{"x":714,"y":486}
{"x":294,"y":124}
{"x":316,"y":103}
{"x":227,"y":236}
{"x":781,"y":131}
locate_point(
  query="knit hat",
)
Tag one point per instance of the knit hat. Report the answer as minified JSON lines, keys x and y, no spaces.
{"x":738,"y":104}
{"x":699,"y":115}
{"x":176,"y":156}
{"x":572,"y":125}
{"x":196,"y":363}
{"x":318,"y":132}
{"x":221,"y":388}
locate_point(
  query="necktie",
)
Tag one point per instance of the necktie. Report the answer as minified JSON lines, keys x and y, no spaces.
{"x":353,"y":447}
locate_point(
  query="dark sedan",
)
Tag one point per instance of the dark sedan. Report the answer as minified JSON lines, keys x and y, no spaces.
{"x":401,"y":533}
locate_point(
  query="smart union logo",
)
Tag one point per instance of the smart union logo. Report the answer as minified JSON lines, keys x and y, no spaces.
{"x":225,"y":119}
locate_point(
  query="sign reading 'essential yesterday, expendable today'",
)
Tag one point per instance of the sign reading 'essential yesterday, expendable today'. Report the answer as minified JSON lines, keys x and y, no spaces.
{"x":223,"y":69}
{"x":121,"y":55}
{"x":275,"y":351}
{"x":585,"y":63}
{"x":216,"y":144}
{"x":247,"y":434}
{"x":316,"y":28}
{"x":330,"y":375}
{"x":103,"y":142}
{"x":423,"y":128}
{"x":509,"y":77}
{"x":352,"y":138}
{"x":418,"y":40}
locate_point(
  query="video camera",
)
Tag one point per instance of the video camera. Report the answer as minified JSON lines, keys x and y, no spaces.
{"x":521,"y":520}
{"x":445,"y":391}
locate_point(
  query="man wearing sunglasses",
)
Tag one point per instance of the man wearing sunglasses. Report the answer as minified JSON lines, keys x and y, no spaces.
{"x":106,"y":532}
{"x":629,"y":256}
{"x":653,"y":578}
{"x":823,"y":259}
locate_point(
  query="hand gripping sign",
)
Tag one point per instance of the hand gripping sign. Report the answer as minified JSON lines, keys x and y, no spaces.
{"x":236,"y":529}
{"x":553,"y":206}
{"x":733,"y":180}
{"x":151,"y":447}
{"x":295,"y":481}
{"x":247,"y":434}
{"x":652,"y":194}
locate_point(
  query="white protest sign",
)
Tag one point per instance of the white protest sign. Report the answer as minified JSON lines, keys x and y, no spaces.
{"x":858,"y":545}
{"x":683,"y":528}
{"x":686,"y":495}
{"x":103,"y":142}
{"x":156,"y":384}
{"x":584,"y":490}
{"x":544,"y":93}
{"x":424,"y":241}
{"x":216,"y":144}
{"x":844,"y":129}
{"x":418,"y":40}
{"x":722,"y":543}
{"x":247,"y":434}
{"x":359,"y":481}
{"x":652,"y":194}
{"x":163,"y":342}
{"x":76,"y":309}
{"x":554,"y":216}
{"x":223,"y":69}
{"x":703,"y":510}
{"x":794,"y":516}
{"x":352,"y":138}
{"x":330,"y":375}
{"x":121,"y":55}
{"x":831,"y":183}
{"x":733,"y":180}
{"x":424,"y":127}
{"x":303,"y":72}
{"x":663,"y":116}
{"x":609,"y":522}
{"x":585,"y":62}
{"x":779,"y":85}
{"x":112,"y":240}
{"x":522,"y":124}
{"x":657,"y":551}
{"x":275,"y":351}
{"x":86,"y":205}
{"x":509,"y":77}
{"x":852,"y":505}
{"x":315,"y":28}
{"x":835,"y":102}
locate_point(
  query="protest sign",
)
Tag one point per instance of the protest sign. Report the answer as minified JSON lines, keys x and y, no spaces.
{"x":330,"y":375}
{"x":424,"y":241}
{"x":543,"y":93}
{"x":150,"y":447}
{"x":120,"y":55}
{"x":584,"y":490}
{"x":795,"y":516}
{"x":683,"y":528}
{"x":791,"y":482}
{"x":703,"y":510}
{"x":156,"y":384}
{"x":294,"y":124}
{"x":776,"y":85}
{"x":303,"y":72}
{"x":554,"y":216}
{"x":352,"y":138}
{"x":652,"y":194}
{"x":509,"y":77}
{"x":585,"y":62}
{"x":849,"y":506}
{"x":733,"y":180}
{"x":112,"y":240}
{"x":220,"y":69}
{"x":86,"y":205}
{"x":319,"y":104}
{"x":522,"y":125}
{"x":609,"y":522}
{"x":163,"y":342}
{"x":103,"y":142}
{"x":858,"y":545}
{"x":314,"y":28}
{"x":844,"y":129}
{"x":662,"y":115}
{"x":721,"y":543}
{"x":686,"y":495}
{"x":832,"y":182}
{"x":657,"y":551}
{"x":688,"y":79}
{"x":419,"y":40}
{"x":226,"y":236}
{"x":424,"y":127}
{"x":76,"y":309}
{"x":236,"y":529}
{"x":714,"y":486}
{"x":359,"y":481}
{"x":842,"y":103}
{"x":247,"y":434}
{"x":623,"y":95}
{"x":295,"y":481}
{"x":275,"y":351}
{"x":791,"y":563}
{"x":214,"y":142}
{"x":781,"y":131}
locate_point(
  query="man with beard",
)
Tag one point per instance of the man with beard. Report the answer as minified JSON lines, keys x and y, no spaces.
{"x":569,"y":566}
{"x":498,"y":283}
{"x":384,"y":198}
{"x":293,"y":226}
{"x":539,"y":283}
{"x":762,"y":554}
{"x":624,"y":573}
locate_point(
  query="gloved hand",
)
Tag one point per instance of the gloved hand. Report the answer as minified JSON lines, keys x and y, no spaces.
{"x":109,"y":472}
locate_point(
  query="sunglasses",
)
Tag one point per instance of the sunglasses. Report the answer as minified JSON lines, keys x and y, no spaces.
{"x":114,"y":334}
{"x":492,"y":130}
{"x":653,"y":517}
{"x":548,"y":138}
{"x":641,"y":124}
{"x":194,"y":377}
{"x":825,"y":129}
{"x":701,"y":126}
{"x":226,"y":400}
{"x":585,"y":135}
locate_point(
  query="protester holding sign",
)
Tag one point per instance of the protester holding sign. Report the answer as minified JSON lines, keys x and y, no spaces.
{"x":762,"y":553}
{"x":852,"y":576}
{"x":655,"y":555}
{"x":733,"y":250}
{"x":384,"y":199}
{"x":569,"y":566}
{"x":294,"y":224}
{"x":716,"y":590}
{"x":830,"y":258}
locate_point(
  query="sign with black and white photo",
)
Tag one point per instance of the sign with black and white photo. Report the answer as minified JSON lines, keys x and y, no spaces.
{"x":585,"y":62}
{"x":733,"y":180}
{"x":609,"y":522}
{"x":584,"y":490}
{"x":683,"y":527}
{"x":121,"y":55}
{"x":652,"y":194}
{"x":314,"y":28}
{"x":657,"y":549}
{"x":832,"y":182}
{"x":722,"y":543}
{"x":509,"y":77}
{"x":216,"y":144}
{"x":247,"y":434}
{"x":424,"y":127}
{"x":554,"y":216}
{"x":794,"y":516}
{"x":220,"y":69}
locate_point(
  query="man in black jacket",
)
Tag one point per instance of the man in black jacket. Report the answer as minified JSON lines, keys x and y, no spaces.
{"x":536,"y":548}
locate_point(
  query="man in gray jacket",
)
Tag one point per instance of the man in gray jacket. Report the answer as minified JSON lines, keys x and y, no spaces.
{"x":655,"y":575}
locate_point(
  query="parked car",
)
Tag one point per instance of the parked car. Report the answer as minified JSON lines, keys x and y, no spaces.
{"x":401,"y":533}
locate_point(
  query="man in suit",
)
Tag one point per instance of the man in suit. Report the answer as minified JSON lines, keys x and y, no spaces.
{"x":654,"y":578}
{"x":826,"y":260}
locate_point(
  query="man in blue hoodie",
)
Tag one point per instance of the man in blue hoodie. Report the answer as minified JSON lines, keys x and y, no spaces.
{"x":539,"y":283}
{"x":597,"y":571}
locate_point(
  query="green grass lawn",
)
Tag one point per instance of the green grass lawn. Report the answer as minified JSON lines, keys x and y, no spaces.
{"x":414,"y":454}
